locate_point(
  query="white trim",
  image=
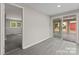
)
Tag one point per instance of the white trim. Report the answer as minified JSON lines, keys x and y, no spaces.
{"x":64,"y":15}
{"x":51,"y":27}
{"x":13,"y":18}
{"x":2,"y":29}
{"x":13,"y":4}
{"x":77,"y":17}
{"x":23,"y":30}
{"x":62,"y":27}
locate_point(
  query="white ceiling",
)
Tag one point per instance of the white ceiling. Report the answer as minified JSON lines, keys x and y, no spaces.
{"x":51,"y":8}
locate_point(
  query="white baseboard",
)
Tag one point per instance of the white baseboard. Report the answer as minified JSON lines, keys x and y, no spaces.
{"x":35,"y":43}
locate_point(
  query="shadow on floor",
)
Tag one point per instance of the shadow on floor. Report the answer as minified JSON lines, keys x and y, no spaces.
{"x":49,"y":47}
{"x":13,"y":41}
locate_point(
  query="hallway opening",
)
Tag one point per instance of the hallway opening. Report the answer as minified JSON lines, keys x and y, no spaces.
{"x":13,"y":27}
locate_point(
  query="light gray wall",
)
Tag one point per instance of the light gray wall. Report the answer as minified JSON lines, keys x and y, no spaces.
{"x":13,"y":13}
{"x":36,"y":27}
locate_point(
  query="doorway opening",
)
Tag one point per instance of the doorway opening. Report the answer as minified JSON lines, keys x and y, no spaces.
{"x":65,"y":27}
{"x":13,"y":27}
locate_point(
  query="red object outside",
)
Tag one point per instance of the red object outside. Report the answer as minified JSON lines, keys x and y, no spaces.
{"x":72,"y":26}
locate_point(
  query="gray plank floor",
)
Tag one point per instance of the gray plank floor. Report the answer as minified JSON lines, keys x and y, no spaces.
{"x":49,"y":47}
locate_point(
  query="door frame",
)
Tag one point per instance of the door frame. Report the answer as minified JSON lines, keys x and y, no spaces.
{"x":77,"y":22}
{"x":3,"y":25}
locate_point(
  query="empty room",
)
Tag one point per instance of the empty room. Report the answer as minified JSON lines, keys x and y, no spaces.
{"x":39,"y":28}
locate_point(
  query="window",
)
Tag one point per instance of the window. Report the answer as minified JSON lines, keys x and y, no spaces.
{"x":72,"y":26}
{"x":13,"y":24}
{"x":19,"y":24}
{"x":69,"y":24}
{"x":57,"y":25}
{"x":65,"y":26}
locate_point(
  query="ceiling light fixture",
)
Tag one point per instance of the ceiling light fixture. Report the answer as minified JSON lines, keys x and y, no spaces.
{"x":58,"y":5}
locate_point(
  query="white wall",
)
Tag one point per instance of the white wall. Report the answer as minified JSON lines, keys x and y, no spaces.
{"x":0,"y":27}
{"x":36,"y":27}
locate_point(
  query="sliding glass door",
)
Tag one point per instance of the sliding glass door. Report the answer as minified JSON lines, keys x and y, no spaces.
{"x":69,"y":28}
{"x":57,"y":28}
